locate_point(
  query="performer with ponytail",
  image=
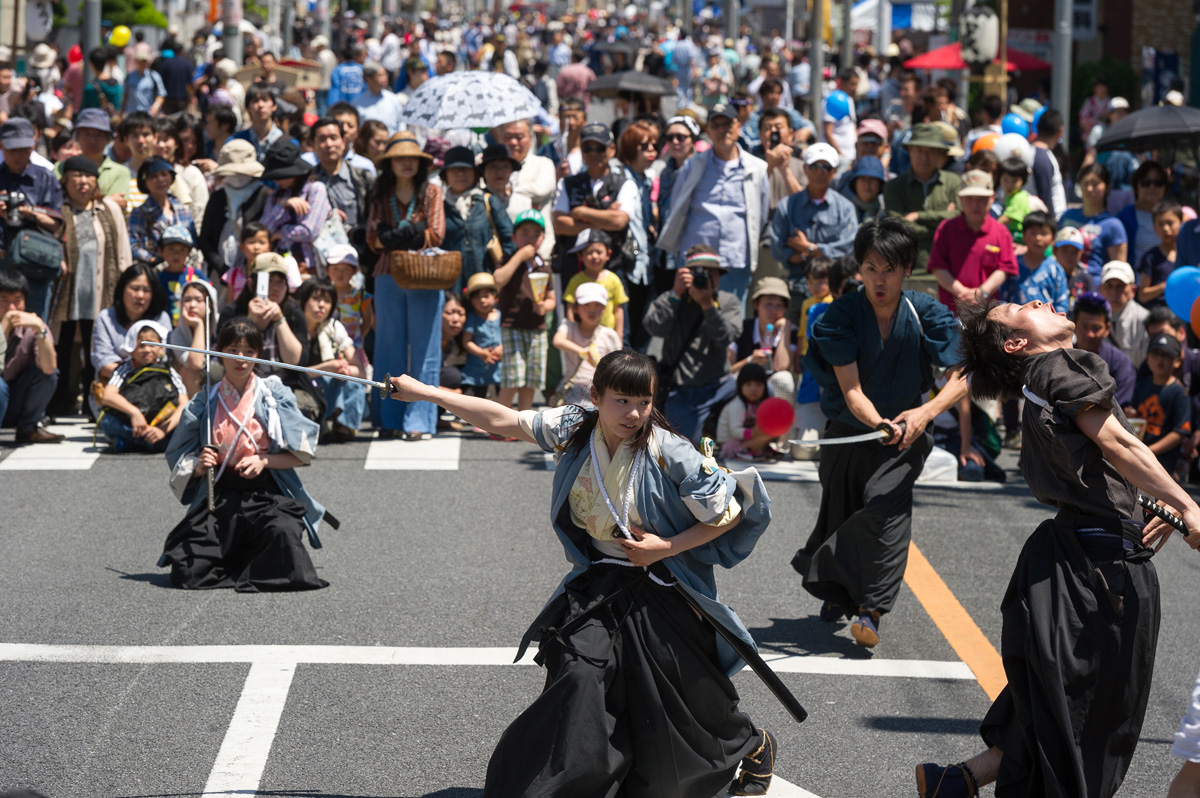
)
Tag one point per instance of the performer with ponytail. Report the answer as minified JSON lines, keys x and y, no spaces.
{"x":1081,"y":612}
{"x":638,"y":699}
{"x":254,"y":539}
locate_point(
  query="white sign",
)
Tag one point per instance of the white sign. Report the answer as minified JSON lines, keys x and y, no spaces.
{"x":1083,"y":20}
{"x":39,"y":20}
{"x":1032,"y":41}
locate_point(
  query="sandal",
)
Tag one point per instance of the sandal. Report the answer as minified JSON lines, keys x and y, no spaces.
{"x":754,"y":778}
{"x":832,"y":613}
{"x":866,"y":629}
{"x":951,"y":781}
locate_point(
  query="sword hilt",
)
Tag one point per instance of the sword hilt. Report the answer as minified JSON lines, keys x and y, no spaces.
{"x":889,"y":434}
{"x":385,"y":387}
{"x":1156,"y":509}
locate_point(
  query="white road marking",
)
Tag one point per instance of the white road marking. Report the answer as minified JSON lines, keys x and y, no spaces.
{"x":76,"y":453}
{"x":247,"y":744}
{"x":437,"y":454}
{"x":549,"y":460}
{"x":395,"y":655}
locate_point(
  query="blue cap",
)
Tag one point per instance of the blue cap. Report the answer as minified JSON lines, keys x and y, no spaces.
{"x":868,"y":166}
{"x":176,"y":234}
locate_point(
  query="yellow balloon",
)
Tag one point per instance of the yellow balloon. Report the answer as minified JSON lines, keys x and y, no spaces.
{"x":120,"y":36}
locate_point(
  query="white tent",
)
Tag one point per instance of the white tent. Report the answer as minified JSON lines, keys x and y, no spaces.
{"x":914,"y":16}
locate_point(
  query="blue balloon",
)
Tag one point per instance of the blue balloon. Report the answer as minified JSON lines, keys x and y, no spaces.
{"x":1037,"y":117}
{"x":1011,"y":123}
{"x":837,"y":105}
{"x":1183,"y":289}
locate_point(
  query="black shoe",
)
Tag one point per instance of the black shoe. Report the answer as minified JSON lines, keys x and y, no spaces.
{"x":951,"y":781}
{"x":39,"y":435}
{"x":754,"y":778}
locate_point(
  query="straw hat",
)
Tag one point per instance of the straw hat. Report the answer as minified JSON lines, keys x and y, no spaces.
{"x":404,"y":145}
{"x":238,"y":157}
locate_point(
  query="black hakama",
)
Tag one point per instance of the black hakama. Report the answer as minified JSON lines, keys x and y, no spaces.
{"x":857,"y":552}
{"x":634,"y":704}
{"x":253,"y":542}
{"x":1081,"y":619}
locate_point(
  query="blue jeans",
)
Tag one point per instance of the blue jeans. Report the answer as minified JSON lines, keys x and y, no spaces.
{"x":688,"y":408}
{"x":121,"y":434}
{"x":322,"y":101}
{"x":40,"y":294}
{"x":348,"y":397}
{"x":23,"y":401}
{"x":408,"y":340}
{"x":737,"y":282}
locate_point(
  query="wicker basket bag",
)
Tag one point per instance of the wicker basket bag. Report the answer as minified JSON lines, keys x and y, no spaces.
{"x":414,"y":271}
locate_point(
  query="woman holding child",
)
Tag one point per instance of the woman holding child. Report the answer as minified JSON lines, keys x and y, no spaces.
{"x":407,"y":213}
{"x":638,"y":698}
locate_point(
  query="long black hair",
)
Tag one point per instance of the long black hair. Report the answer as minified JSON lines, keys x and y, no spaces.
{"x":993,"y":372}
{"x":158,"y":297}
{"x":385,"y":186}
{"x":631,"y":374}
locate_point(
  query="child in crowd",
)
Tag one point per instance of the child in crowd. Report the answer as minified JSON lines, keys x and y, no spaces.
{"x":810,"y":419}
{"x":1013,"y":176}
{"x":1158,"y":263}
{"x":331,"y":349}
{"x":145,"y":397}
{"x":1162,"y":402}
{"x":196,"y":296}
{"x":355,"y":309}
{"x":454,"y":356}
{"x":583,"y":341}
{"x":481,"y":336}
{"x":525,"y":299}
{"x":253,"y":241}
{"x":817,"y":278}
{"x":1068,"y":252}
{"x":594,"y":248}
{"x":737,"y":431}
{"x":1038,"y":277}
{"x":175,"y":246}
{"x":1119,"y":285}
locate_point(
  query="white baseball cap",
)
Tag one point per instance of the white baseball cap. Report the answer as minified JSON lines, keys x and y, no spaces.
{"x":1118,"y":104}
{"x":817,"y":153}
{"x":591,"y":292}
{"x":1117,"y":270}
{"x":342,"y":253}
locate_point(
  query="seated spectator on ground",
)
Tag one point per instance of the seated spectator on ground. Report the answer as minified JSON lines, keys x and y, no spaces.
{"x":331,"y":349}
{"x":1119,"y":286}
{"x":454,"y":356}
{"x":738,"y":434}
{"x":1159,"y":261}
{"x":145,"y":396}
{"x":766,"y":339}
{"x":150,"y":219}
{"x":138,"y":295}
{"x":583,"y":341}
{"x":697,"y":322}
{"x":30,"y":366}
{"x":1092,"y":317}
{"x":972,"y":254}
{"x":1162,"y":403}
{"x":593,"y":247}
{"x":197,"y":307}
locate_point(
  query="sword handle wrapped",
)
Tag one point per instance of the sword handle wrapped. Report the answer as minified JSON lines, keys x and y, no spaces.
{"x":1156,"y":509}
{"x":888,"y":433}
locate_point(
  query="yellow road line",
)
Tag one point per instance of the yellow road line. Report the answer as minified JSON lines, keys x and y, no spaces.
{"x":952,"y":620}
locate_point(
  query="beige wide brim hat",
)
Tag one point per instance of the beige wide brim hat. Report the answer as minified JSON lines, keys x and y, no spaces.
{"x":404,"y":145}
{"x":238,"y":157}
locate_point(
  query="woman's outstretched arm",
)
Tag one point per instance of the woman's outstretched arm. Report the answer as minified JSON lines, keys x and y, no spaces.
{"x":483,"y":413}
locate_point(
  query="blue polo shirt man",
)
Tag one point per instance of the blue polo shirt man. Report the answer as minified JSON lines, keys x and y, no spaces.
{"x":42,"y":206}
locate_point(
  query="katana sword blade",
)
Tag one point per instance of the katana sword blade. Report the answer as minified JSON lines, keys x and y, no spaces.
{"x":385,"y":388}
{"x":883,"y":432}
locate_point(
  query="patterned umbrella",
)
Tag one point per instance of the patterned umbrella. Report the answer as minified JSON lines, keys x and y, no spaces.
{"x":469,"y":100}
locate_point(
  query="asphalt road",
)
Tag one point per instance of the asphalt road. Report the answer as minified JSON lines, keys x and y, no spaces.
{"x":459,"y":559}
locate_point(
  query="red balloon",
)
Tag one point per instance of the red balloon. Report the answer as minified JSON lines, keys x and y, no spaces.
{"x":775,"y":416}
{"x":1196,"y":316}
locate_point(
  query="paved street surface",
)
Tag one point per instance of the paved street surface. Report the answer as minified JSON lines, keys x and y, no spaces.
{"x":395,"y":680}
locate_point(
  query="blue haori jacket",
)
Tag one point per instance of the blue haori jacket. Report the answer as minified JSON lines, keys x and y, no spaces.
{"x":288,"y":431}
{"x":677,"y":486}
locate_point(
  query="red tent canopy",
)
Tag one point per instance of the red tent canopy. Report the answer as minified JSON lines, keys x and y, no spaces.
{"x":950,"y":57}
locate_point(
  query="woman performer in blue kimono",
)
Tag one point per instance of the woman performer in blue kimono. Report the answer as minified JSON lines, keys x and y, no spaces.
{"x":254,"y":540}
{"x":1081,"y":610}
{"x":873,"y":353}
{"x":638,"y":700}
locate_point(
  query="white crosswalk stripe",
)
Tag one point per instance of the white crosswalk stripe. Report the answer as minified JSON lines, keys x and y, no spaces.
{"x":441,"y":453}
{"x":76,"y":453}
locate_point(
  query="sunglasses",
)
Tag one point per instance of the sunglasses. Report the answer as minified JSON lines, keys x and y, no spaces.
{"x":593,"y":149}
{"x":676,"y":137}
{"x":1153,"y":183}
{"x":649,"y":145}
{"x":820,"y":166}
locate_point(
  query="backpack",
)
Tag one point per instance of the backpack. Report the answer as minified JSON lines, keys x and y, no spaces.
{"x":152,"y":391}
{"x":579,"y":192}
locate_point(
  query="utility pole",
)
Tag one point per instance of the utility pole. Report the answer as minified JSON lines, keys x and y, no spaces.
{"x":275,"y":18}
{"x":289,"y":22}
{"x":816,"y":60}
{"x":847,"y":34}
{"x":231,"y":36}
{"x":883,"y":28}
{"x":733,"y":10}
{"x":1060,"y":89}
{"x":324,"y":22}
{"x":91,"y":36}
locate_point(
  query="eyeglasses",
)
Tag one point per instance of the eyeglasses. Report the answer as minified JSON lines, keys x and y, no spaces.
{"x":677,"y":137}
{"x":820,"y":166}
{"x":1153,"y":183}
{"x":593,"y":149}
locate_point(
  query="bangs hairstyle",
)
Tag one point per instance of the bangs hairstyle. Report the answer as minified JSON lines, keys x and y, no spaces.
{"x":317,"y":286}
{"x":891,"y":239}
{"x":992,"y":372}
{"x":158,"y":297}
{"x":631,"y":374}
{"x":195,"y":285}
{"x":240,"y":331}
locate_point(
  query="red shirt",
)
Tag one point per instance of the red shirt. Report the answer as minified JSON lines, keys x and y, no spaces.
{"x":971,"y":256}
